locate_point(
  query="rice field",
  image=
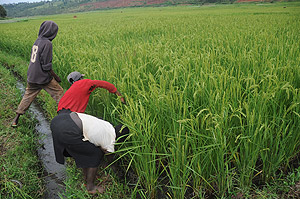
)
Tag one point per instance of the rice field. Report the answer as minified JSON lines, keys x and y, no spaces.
{"x":212,"y":92}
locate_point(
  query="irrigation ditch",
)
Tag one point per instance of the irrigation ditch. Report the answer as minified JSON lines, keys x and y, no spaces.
{"x":53,"y":173}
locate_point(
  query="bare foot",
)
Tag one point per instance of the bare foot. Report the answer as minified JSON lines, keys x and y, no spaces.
{"x":96,"y":189}
{"x":14,"y":123}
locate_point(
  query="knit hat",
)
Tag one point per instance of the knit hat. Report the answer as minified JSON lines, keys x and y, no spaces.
{"x":74,"y":76}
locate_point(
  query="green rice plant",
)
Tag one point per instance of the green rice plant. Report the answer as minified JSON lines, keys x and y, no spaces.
{"x":212,"y":92}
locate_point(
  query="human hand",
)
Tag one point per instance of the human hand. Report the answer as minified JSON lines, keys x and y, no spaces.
{"x":55,"y":76}
{"x":123,"y":100}
{"x":57,"y":79}
{"x":121,"y":97}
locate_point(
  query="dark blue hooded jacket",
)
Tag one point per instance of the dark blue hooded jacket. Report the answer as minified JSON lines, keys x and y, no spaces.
{"x":41,"y":54}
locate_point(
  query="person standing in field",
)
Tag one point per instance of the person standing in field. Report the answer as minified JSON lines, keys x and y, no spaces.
{"x":77,"y":96}
{"x":40,"y":74}
{"x":86,"y":139}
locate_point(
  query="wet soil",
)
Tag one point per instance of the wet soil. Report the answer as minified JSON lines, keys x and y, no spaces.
{"x":54,"y":173}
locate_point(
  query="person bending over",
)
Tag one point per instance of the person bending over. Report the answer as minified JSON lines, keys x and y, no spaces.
{"x":86,"y":139}
{"x":77,"y":96}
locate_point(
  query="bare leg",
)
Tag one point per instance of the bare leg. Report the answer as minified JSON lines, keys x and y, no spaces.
{"x":90,"y":178}
{"x":84,"y":170}
{"x":15,"y":121}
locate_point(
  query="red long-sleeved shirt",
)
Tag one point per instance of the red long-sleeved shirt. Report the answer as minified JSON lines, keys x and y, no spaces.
{"x":77,"y":96}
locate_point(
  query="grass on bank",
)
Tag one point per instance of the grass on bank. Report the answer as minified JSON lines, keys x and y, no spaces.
{"x":18,"y":156}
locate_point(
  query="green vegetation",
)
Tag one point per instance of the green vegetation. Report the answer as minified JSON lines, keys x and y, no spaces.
{"x":76,"y":189}
{"x":212,"y":92}
{"x":18,"y":159}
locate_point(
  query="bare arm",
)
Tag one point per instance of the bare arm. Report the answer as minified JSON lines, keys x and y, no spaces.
{"x":122,"y":98}
{"x":55,"y":76}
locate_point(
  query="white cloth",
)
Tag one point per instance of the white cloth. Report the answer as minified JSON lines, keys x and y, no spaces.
{"x":99,"y":132}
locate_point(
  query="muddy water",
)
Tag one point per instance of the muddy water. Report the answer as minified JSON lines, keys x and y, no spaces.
{"x":54,"y":172}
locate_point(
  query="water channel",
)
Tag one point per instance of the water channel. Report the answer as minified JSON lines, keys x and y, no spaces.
{"x":54,"y":172}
